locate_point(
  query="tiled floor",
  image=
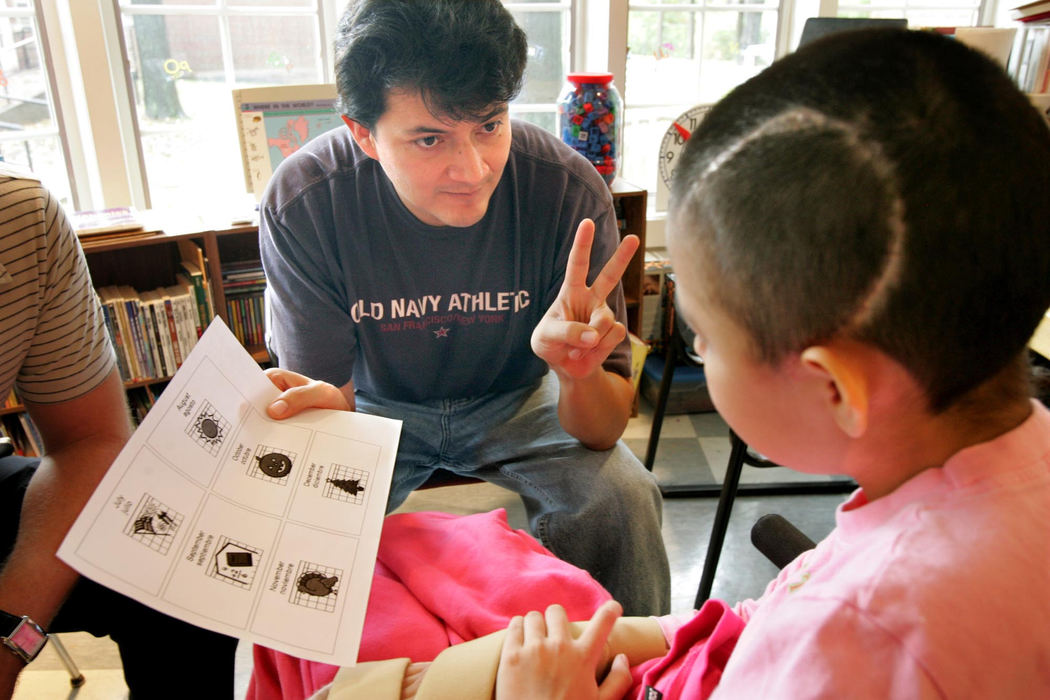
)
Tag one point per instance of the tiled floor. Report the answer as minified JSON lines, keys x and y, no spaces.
{"x":692,"y":448}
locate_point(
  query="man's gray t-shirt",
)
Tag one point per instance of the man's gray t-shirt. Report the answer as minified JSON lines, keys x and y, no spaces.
{"x":358,"y":288}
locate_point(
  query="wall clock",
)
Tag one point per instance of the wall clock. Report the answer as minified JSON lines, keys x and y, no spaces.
{"x":671,"y":146}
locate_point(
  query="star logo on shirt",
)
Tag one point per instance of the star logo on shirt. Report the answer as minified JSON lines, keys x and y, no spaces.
{"x":441,"y":332}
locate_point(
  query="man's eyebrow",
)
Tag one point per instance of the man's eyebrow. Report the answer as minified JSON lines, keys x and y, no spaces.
{"x":493,"y":114}
{"x":424,"y":129}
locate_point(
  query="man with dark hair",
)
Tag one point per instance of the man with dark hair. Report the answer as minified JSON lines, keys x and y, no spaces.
{"x":422,"y":265}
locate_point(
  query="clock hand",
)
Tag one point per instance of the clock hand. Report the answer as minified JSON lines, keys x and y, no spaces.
{"x":682,"y":131}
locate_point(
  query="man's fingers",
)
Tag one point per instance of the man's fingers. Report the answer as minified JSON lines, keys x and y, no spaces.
{"x":313,"y":394}
{"x":613,"y":270}
{"x":284,"y":378}
{"x":580,"y":255}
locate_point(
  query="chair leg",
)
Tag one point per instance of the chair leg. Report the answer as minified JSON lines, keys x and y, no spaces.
{"x":722,"y":513}
{"x":76,"y":678}
{"x":661,"y":401}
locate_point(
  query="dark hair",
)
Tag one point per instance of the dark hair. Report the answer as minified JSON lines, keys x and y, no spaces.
{"x":889,"y":186}
{"x":464,"y":56}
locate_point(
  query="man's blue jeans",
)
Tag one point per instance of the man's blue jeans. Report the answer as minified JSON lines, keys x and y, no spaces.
{"x":598,"y":510}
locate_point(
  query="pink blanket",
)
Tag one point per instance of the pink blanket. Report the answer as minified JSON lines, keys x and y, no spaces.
{"x":440,"y":579}
{"x":698,"y":655}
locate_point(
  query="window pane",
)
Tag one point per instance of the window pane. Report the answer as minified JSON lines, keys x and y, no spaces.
{"x":183,"y":68}
{"x":258,"y":58}
{"x":168,"y":2}
{"x":678,"y":59}
{"x":548,"y":55}
{"x":28,"y":131}
{"x":273,"y":3}
{"x":928,"y":13}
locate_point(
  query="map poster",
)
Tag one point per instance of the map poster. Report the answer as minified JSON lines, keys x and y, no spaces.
{"x":270,"y":130}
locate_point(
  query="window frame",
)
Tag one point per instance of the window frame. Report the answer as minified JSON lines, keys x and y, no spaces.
{"x":95,"y":107}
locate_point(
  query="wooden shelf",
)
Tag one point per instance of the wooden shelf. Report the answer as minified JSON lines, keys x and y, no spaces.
{"x":630,"y":202}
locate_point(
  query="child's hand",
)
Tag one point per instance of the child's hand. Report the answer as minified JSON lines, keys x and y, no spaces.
{"x":542,"y":661}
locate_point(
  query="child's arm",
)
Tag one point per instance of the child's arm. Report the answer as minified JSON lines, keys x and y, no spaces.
{"x":468,"y":671}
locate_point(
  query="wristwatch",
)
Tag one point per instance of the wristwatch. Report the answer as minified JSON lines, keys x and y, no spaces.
{"x":21,"y":636}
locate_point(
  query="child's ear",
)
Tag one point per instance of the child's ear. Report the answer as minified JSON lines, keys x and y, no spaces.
{"x":363,"y":135}
{"x":842,"y":385}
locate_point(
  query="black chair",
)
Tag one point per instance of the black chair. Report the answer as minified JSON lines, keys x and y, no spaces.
{"x":678,"y":349}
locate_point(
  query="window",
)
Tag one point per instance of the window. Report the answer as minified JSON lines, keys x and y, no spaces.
{"x":927,"y":13}
{"x":548,"y":27}
{"x":157,"y":128}
{"x":184,"y":60}
{"x":29,"y":127}
{"x":685,"y":53}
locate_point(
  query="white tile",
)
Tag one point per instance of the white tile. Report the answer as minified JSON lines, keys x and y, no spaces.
{"x":674,"y":425}
{"x":99,"y":684}
{"x":716,"y":450}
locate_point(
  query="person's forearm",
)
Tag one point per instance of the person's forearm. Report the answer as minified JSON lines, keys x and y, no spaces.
{"x":595,"y":409}
{"x":33,"y":581}
{"x":82,"y":437}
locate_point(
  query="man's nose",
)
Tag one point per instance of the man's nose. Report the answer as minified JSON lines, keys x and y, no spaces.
{"x":468,"y":164}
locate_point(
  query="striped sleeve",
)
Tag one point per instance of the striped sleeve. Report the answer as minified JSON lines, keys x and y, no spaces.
{"x":53,"y":342}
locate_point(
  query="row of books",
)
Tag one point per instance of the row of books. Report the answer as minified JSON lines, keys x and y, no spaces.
{"x":25,"y":437}
{"x":246,"y":318}
{"x":243,"y":283}
{"x":152,"y":332}
{"x":1030,"y":60}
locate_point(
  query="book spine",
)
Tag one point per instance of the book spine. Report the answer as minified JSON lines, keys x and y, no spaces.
{"x":187,"y":330}
{"x":173,"y":332}
{"x":156,"y":347}
{"x":128,"y":340}
{"x":35,"y":442}
{"x":114,"y":338}
{"x":160,"y":320}
{"x":147,"y":339}
{"x":199,"y":296}
{"x":141,"y":367}
{"x":124,"y":340}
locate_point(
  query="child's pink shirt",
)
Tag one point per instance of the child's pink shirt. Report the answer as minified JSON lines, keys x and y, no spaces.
{"x":940,"y":589}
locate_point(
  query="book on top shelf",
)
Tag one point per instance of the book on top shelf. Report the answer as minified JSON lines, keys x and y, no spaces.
{"x":1031,"y":11}
{"x":96,"y":222}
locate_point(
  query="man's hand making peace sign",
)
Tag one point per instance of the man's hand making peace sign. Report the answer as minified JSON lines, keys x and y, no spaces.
{"x":575,"y":337}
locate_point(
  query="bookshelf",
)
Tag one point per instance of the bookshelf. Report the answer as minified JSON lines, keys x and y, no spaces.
{"x":230,"y":256}
{"x":630,"y":203}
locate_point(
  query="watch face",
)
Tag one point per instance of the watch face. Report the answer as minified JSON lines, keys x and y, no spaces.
{"x":27,"y":640}
{"x":671,"y":147}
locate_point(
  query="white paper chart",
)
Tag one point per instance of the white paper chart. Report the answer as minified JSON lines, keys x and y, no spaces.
{"x":218,"y":515}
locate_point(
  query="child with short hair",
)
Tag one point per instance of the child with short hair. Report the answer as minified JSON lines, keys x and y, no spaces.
{"x":861,"y":238}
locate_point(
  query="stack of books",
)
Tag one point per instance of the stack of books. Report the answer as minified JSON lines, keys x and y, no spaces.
{"x":1030,"y":59}
{"x":111,"y":223}
{"x":153,"y":331}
